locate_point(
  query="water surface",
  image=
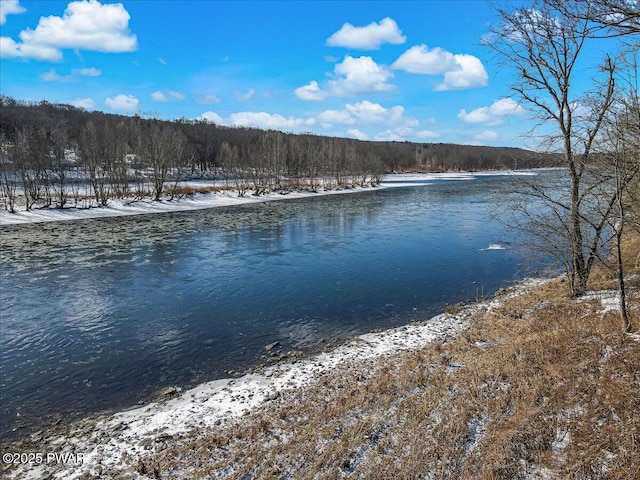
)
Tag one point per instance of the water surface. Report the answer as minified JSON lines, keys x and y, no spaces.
{"x":99,"y":314}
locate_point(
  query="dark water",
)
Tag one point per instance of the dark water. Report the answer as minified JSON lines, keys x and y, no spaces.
{"x":99,"y":314}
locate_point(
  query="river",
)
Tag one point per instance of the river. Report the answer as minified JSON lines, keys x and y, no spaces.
{"x":100,"y":314}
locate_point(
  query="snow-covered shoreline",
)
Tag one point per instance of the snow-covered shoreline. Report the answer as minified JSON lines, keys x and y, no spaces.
{"x":199,"y":201}
{"x":115,"y":441}
{"x":112,"y":443}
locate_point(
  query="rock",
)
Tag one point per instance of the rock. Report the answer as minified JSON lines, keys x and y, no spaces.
{"x":271,"y":346}
{"x":273,"y":395}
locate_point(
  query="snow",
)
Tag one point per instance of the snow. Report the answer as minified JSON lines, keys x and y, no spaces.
{"x":494,"y":246}
{"x":609,"y":299}
{"x":117,"y":440}
{"x":197,"y":201}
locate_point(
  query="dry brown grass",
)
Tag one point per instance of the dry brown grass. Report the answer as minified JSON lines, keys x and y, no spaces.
{"x":541,"y":385}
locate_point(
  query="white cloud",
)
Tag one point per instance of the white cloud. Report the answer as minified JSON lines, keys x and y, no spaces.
{"x":311,"y":92}
{"x":461,"y":71}
{"x":366,"y":113}
{"x":167,"y":95}
{"x":369,"y":37}
{"x":419,"y":59}
{"x":124,"y":102}
{"x":85,"y":25}
{"x":471,"y":74}
{"x":427,"y":134}
{"x":9,"y":7}
{"x":493,"y":114}
{"x":86,"y":103}
{"x":374,"y":113}
{"x":267,"y":121}
{"x":206,"y":99}
{"x":9,"y":48}
{"x":90,"y":72}
{"x":355,"y":133}
{"x":388,"y":136}
{"x":159,"y":96}
{"x":329,"y":117}
{"x":486,"y":135}
{"x":353,"y":76}
{"x":212,"y":117}
{"x":360,"y":76}
{"x":53,"y":76}
{"x":245,"y":97}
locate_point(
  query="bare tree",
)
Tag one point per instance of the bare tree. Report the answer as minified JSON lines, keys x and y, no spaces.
{"x":608,"y":18}
{"x":621,"y":147}
{"x":94,"y":159}
{"x":542,"y":46}
{"x":8,"y":179}
{"x":161,"y":148}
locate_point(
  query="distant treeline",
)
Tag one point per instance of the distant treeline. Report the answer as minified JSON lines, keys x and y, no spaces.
{"x":48,"y":150}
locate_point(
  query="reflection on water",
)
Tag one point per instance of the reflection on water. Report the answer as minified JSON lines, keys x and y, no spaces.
{"x":101,"y":313}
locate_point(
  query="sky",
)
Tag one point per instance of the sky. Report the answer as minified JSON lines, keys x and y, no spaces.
{"x":391,"y":70}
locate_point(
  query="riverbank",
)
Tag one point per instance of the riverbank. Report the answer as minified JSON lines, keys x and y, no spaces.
{"x":529,"y":384}
{"x":219,"y":198}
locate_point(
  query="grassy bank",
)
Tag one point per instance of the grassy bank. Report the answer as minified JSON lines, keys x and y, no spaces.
{"x":539,"y":386}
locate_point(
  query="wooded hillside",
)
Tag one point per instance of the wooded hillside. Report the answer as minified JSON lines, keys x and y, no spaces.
{"x":53,"y":155}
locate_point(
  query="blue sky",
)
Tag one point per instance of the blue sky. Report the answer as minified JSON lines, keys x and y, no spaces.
{"x":371,"y":70}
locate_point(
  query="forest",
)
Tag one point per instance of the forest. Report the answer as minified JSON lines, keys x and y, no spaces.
{"x":56,"y":155}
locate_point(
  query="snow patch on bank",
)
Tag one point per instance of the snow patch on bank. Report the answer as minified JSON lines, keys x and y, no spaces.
{"x":116,"y":441}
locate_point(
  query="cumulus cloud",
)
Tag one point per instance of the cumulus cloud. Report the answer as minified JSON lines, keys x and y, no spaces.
{"x":461,"y":71}
{"x":420,"y":59}
{"x":328,"y":117}
{"x":369,"y":37}
{"x":427,"y":134}
{"x":212,"y":117}
{"x":9,"y":48}
{"x":492,"y":115}
{"x":86,"y":103}
{"x":355,"y":133}
{"x":358,"y":76}
{"x":85,"y":25}
{"x":388,"y":136}
{"x":374,"y":113}
{"x":167,"y":95}
{"x":471,"y":74}
{"x":351,"y":77}
{"x":366,"y":113}
{"x":128,"y":103}
{"x":9,"y":7}
{"x":311,"y":92}
{"x":267,"y":121}
{"x":486,"y":135}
